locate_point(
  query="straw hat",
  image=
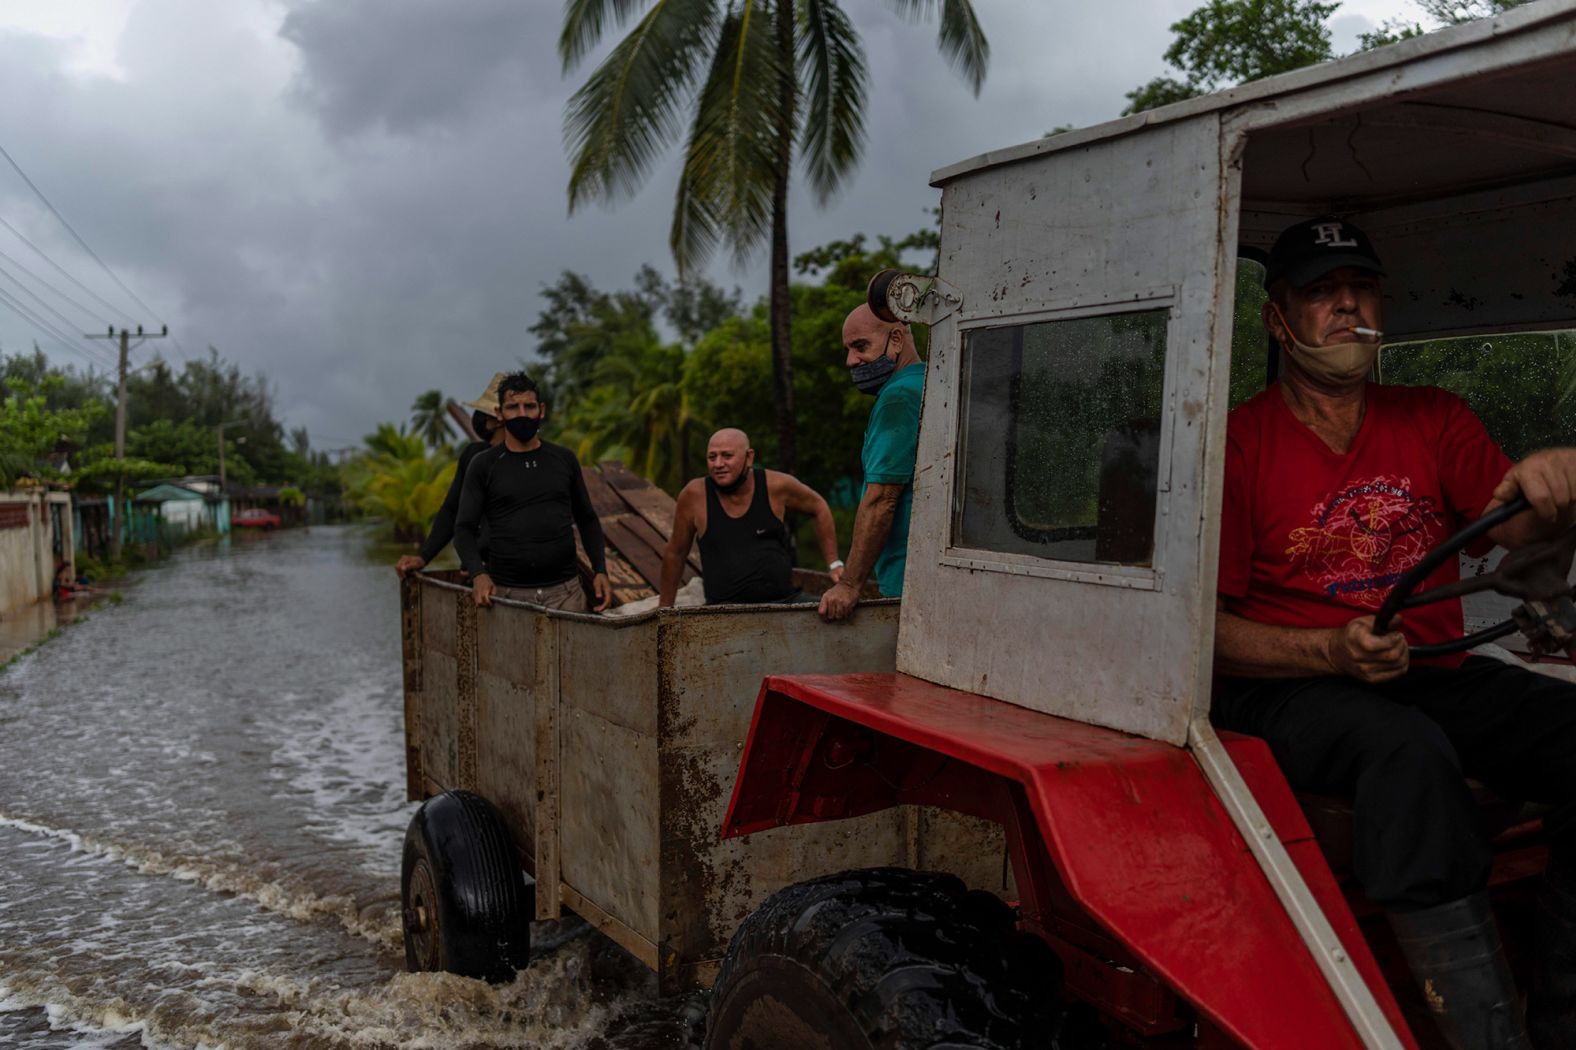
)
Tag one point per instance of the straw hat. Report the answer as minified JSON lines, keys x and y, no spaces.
{"x":488,"y":401}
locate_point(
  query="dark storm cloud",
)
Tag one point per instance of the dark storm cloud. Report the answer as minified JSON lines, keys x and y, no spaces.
{"x":363,"y":198}
{"x":411,"y":66}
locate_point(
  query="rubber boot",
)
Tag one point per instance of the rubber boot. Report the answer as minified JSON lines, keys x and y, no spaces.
{"x":1458,"y":961}
{"x":1551,"y":1008}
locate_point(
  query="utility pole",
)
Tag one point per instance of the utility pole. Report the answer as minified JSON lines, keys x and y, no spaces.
{"x":228,"y":423}
{"x":118,"y":511}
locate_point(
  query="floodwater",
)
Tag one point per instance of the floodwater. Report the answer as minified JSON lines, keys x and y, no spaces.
{"x":201,"y":816}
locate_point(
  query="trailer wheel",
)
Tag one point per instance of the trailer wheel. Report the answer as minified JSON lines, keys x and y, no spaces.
{"x":465,"y":902}
{"x":886,"y":960}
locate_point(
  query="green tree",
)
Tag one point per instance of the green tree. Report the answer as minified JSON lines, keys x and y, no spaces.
{"x":728,"y":373}
{"x":580,"y":326}
{"x":641,"y":413}
{"x":1519,"y":385}
{"x":1233,"y":41}
{"x":430,"y":418}
{"x":61,"y":387}
{"x":30,"y":429}
{"x":395,"y":479}
{"x":1456,"y":12}
{"x":767,"y":80}
{"x":1439,"y":13}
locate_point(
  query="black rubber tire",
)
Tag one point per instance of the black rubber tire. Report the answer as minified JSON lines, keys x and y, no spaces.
{"x":887,"y":959}
{"x":466,"y":905}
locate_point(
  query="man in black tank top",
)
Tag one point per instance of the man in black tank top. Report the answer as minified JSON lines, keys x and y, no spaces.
{"x":736,"y":512}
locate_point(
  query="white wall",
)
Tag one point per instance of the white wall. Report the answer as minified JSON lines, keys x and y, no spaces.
{"x":27,"y":559}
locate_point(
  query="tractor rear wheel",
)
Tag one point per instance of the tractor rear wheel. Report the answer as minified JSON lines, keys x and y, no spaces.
{"x":466,"y":906}
{"x":887,"y":959}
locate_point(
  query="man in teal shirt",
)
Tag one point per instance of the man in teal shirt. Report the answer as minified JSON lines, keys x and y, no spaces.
{"x":881,"y":361}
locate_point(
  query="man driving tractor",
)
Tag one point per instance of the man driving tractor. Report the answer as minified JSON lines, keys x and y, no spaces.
{"x":1335,"y":486}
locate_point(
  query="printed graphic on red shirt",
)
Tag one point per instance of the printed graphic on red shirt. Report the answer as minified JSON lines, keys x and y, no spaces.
{"x":1361,"y":538}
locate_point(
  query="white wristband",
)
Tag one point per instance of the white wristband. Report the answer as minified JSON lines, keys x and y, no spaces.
{"x":835,"y":565}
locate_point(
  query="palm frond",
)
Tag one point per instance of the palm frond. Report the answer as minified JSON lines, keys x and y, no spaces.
{"x":628,"y":109}
{"x":961,"y":40}
{"x":732,"y":158}
{"x":584,"y":23}
{"x":832,"y":67}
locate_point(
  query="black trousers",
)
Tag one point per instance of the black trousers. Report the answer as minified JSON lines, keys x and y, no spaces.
{"x":1402,"y":750}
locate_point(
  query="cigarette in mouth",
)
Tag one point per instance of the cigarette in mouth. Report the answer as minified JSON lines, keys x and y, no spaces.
{"x":1374,"y":332}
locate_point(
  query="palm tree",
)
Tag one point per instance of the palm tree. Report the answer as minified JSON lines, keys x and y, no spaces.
{"x":640,"y":411}
{"x":396,"y":479}
{"x":781,"y":77}
{"x":430,"y":419}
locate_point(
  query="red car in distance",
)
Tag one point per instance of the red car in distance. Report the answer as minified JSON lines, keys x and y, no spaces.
{"x":256,"y":518}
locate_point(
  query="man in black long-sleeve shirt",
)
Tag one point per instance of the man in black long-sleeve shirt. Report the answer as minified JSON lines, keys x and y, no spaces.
{"x":488,"y":427}
{"x":528,"y":492}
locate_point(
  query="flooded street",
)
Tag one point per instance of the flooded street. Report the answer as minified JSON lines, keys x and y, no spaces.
{"x":201,"y":814}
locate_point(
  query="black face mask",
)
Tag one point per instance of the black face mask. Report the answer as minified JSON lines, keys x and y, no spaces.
{"x":482,"y":423}
{"x":734,"y":485}
{"x":870,"y":376}
{"x":522,"y":428}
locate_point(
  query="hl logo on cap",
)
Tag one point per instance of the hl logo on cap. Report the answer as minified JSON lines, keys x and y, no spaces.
{"x":1329,"y":233}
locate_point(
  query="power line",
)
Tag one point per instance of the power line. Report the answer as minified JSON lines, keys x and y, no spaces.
{"x":91,"y":253}
{"x":6,"y":299}
{"x":68,"y":322}
{"x":35,"y":320}
{"x":100,"y":318}
{"x":61,"y":269}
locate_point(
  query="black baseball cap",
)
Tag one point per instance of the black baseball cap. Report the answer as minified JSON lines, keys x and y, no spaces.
{"x":1307,"y":251}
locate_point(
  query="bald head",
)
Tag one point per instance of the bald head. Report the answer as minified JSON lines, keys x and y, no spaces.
{"x":867,"y":337}
{"x":729,"y":437}
{"x":729,"y":457}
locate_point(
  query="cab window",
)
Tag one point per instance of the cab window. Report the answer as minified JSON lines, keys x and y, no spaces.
{"x":1061,"y":438}
{"x":1522,"y":386}
{"x":1250,"y":345}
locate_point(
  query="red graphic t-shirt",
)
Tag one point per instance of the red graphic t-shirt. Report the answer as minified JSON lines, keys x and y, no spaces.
{"x":1313,"y":538}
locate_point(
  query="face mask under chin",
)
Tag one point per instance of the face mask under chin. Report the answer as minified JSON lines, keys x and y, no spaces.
{"x":1336,"y":364}
{"x":734,"y":485}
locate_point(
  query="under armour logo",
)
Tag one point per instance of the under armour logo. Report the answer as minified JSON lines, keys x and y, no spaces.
{"x":1330,"y":233}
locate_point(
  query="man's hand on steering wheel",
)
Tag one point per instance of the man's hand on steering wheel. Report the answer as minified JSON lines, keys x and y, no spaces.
{"x":1357,"y":652}
{"x":1548,"y":480}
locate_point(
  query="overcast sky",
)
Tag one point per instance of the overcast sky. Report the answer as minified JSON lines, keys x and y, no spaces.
{"x":363,"y":198}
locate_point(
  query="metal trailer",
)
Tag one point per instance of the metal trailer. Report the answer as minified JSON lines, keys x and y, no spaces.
{"x":1055,"y":644}
{"x":608,"y":746}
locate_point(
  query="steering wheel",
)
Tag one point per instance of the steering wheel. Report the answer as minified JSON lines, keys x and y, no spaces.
{"x":1538,"y":574}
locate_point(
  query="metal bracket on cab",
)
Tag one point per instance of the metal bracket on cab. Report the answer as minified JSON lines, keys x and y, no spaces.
{"x":897,"y":296}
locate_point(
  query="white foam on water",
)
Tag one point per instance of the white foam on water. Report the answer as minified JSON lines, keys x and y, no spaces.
{"x":105,"y":1026}
{"x":346,"y":760}
{"x":382,"y":930}
{"x":189,"y":849}
{"x":542,"y":1008}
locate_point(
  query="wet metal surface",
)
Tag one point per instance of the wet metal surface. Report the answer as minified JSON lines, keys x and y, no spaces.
{"x":202,"y":805}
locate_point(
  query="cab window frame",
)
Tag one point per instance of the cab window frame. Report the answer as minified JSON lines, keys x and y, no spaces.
{"x":956,"y":553}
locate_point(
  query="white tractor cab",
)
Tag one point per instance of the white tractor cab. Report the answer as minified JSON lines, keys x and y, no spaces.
{"x":1095,"y":316}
